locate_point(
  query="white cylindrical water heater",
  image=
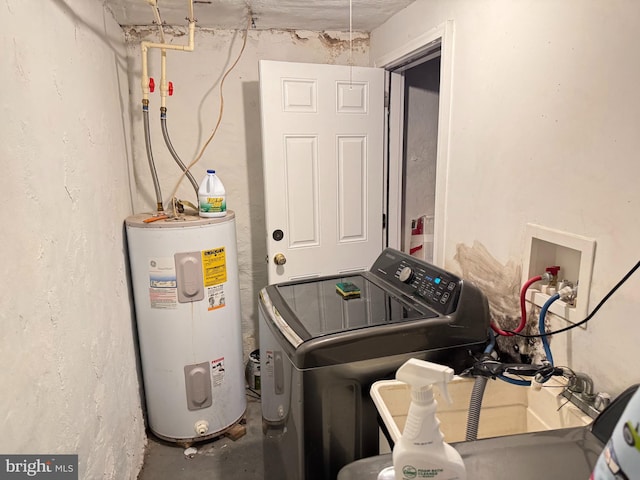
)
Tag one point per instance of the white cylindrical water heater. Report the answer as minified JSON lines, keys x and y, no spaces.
{"x":187,"y":302}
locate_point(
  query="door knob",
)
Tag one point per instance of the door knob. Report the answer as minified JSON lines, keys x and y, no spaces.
{"x":279,"y":259}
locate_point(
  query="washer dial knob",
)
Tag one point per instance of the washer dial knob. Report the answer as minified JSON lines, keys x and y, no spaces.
{"x":406,"y":275}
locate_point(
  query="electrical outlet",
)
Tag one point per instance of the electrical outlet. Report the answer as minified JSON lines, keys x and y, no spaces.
{"x":573,"y":253}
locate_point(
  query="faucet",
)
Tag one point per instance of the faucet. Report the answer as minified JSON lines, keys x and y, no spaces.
{"x":581,"y":393}
{"x":581,"y":383}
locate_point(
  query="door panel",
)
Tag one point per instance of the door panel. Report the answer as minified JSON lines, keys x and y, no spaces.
{"x":301,"y":170}
{"x":322,"y":137}
{"x":352,"y":188}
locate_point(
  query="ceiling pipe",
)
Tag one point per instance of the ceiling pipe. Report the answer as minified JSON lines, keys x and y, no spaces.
{"x":156,"y":13}
{"x":163,"y":78}
{"x":145,"y":46}
{"x":146,"y":89}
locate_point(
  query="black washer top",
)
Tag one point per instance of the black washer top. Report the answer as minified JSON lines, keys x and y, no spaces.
{"x":321,"y":310}
{"x":405,"y":305}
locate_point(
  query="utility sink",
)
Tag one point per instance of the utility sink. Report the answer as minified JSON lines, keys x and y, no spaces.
{"x":506,"y":409}
{"x":534,"y":434}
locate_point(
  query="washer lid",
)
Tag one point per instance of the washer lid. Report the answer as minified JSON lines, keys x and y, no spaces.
{"x":404,"y":306}
{"x":319,"y":309}
{"x":318,"y":327}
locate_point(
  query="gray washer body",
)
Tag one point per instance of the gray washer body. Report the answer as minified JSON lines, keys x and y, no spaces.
{"x":320,"y":353}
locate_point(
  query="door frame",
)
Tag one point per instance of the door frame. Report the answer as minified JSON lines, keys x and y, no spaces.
{"x":393,"y":62}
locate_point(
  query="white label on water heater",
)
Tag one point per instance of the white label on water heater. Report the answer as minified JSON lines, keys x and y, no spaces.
{"x":217,"y":372}
{"x":163,"y":284}
{"x":269,"y":363}
{"x":216,"y":297}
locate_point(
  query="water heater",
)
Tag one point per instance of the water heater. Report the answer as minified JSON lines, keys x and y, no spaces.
{"x":187,"y":300}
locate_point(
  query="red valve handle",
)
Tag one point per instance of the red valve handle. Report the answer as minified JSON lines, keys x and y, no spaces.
{"x":553,"y":270}
{"x":170,"y":88}
{"x":152,"y":85}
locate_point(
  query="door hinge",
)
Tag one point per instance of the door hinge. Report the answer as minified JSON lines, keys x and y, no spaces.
{"x":384,"y":220}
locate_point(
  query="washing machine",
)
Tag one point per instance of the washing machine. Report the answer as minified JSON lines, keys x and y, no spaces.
{"x":324,"y":341}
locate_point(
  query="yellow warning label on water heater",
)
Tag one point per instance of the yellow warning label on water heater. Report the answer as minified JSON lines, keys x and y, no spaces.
{"x":214,"y":266}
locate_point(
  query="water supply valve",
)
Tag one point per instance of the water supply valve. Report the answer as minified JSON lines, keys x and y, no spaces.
{"x":550,"y":280}
{"x":568,"y":292}
{"x":152,"y":85}
{"x":553,"y":271}
{"x":170,"y":88}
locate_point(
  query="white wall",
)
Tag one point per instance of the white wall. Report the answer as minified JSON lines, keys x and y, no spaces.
{"x":236,"y":151}
{"x":68,"y":376}
{"x":545,"y":130}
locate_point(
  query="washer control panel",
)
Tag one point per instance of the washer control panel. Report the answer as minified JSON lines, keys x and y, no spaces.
{"x":430,"y":284}
{"x":419,"y":280}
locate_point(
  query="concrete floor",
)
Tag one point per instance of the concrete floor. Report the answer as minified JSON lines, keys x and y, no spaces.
{"x":218,"y":459}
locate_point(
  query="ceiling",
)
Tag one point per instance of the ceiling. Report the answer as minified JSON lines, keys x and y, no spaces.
{"x":316,"y":15}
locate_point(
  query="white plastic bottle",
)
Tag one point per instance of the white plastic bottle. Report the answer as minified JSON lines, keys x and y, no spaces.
{"x":621,"y":455}
{"x":421,"y":451}
{"x":212,"y":198}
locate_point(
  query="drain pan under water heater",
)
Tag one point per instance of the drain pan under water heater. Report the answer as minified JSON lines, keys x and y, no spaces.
{"x":187,"y":301}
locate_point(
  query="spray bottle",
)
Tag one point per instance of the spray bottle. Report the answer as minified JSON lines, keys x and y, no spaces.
{"x":621,"y":455}
{"x":421,"y":451}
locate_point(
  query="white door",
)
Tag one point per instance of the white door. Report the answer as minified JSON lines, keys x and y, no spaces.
{"x":322,"y":141}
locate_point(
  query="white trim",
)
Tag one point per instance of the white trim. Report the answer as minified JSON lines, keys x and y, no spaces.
{"x":444,"y":144}
{"x":430,"y":54}
{"x":444,"y":34}
{"x":396,"y":153}
{"x":385,"y":173}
